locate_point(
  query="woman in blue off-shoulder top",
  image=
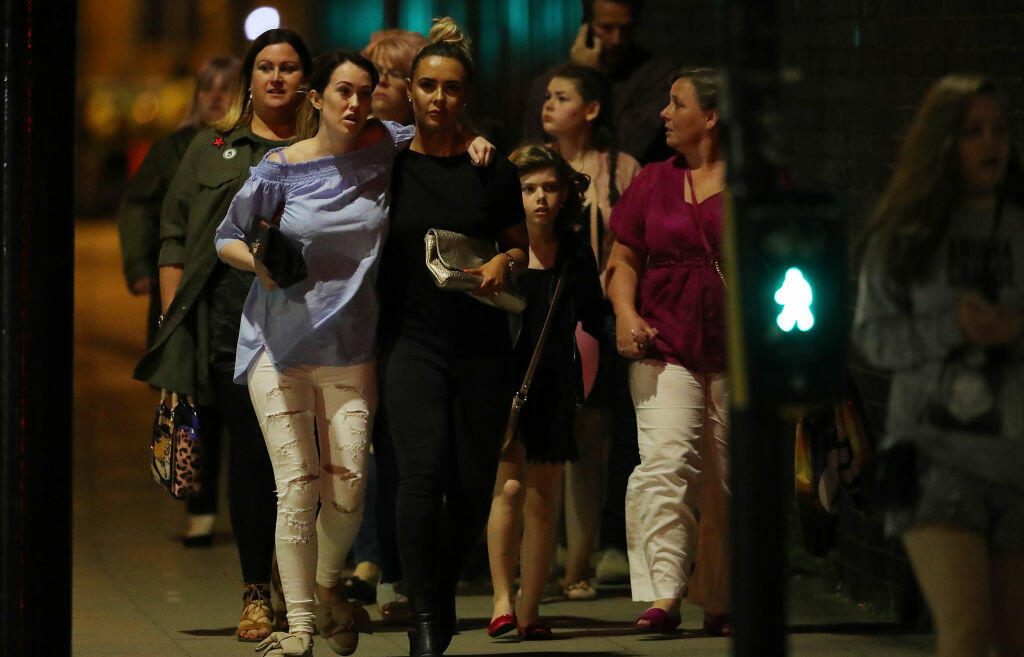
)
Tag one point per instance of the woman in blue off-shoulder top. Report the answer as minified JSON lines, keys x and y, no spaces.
{"x":307,"y":350}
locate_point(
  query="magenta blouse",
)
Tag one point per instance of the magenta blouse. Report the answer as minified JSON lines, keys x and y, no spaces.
{"x":680,"y":294}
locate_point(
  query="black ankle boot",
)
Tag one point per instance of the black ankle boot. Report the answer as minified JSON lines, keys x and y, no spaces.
{"x":424,"y":639}
{"x":446,"y":622}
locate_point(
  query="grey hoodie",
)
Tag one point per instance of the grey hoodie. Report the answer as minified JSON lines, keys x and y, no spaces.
{"x":913,"y":331}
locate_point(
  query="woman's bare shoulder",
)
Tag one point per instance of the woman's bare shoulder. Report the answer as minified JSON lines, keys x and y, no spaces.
{"x":300,"y":151}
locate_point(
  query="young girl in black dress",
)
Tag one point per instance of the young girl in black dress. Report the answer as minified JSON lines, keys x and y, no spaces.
{"x":521,"y":527}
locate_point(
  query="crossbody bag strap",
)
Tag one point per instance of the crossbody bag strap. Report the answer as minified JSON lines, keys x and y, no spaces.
{"x":700,"y":229}
{"x":539,"y":347}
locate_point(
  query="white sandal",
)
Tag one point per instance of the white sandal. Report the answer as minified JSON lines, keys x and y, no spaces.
{"x":581,"y":590}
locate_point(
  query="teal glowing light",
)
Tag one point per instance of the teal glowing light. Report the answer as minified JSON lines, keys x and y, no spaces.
{"x":795,"y":297}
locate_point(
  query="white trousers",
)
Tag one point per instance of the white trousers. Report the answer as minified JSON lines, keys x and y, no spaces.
{"x":339,"y":403}
{"x":681,"y":420}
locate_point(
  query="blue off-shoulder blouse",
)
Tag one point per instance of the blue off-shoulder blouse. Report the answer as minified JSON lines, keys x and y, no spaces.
{"x":337,"y":209}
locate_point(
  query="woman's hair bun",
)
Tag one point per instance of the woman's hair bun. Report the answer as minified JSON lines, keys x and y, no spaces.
{"x":447,"y":30}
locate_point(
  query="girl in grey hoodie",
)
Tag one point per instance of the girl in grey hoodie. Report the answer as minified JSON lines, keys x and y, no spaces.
{"x":940,"y":304}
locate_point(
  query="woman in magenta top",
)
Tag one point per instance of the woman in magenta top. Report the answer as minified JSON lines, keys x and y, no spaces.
{"x":668,"y":295}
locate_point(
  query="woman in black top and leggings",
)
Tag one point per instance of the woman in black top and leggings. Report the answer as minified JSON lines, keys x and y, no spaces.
{"x":447,"y":374}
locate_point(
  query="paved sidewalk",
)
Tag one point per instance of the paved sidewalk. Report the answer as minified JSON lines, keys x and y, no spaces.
{"x":139,"y":593}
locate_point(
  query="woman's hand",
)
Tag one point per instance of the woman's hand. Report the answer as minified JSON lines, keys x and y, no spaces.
{"x":494,"y":274}
{"x":633,"y":336}
{"x":985,"y":324}
{"x":481,"y":151}
{"x":263,"y":274}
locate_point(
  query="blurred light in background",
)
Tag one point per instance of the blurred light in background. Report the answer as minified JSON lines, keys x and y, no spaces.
{"x":145,"y":107}
{"x":260,"y":20}
{"x":101,"y":113}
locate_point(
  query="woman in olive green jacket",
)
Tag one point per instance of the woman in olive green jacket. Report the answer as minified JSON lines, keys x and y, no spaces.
{"x":193,"y":352}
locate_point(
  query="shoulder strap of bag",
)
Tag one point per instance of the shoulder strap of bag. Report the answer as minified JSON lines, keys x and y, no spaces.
{"x":541,"y":339}
{"x":700,"y":229}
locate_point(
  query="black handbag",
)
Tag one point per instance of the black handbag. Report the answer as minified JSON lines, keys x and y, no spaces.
{"x":280,"y":255}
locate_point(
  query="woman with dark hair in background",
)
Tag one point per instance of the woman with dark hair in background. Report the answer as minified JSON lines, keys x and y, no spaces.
{"x":940,"y":304}
{"x":447,"y":375}
{"x":577,"y":112}
{"x":139,"y":227}
{"x":666,"y":285}
{"x":521,"y":527}
{"x":193,"y":352}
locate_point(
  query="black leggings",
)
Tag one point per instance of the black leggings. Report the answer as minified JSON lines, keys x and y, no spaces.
{"x":445,"y":415}
{"x":252,"y":500}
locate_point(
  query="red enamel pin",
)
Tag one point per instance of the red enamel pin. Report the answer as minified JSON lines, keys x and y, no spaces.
{"x":218,"y":142}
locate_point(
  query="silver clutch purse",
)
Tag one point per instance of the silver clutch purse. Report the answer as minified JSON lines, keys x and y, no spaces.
{"x":449,"y":253}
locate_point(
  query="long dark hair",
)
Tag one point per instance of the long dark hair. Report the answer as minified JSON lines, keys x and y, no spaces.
{"x":323,"y":68}
{"x":240,"y":111}
{"x":593,"y":86}
{"x":914,"y":212}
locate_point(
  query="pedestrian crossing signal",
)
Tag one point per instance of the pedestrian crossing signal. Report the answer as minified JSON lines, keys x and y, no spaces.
{"x":795,"y":296}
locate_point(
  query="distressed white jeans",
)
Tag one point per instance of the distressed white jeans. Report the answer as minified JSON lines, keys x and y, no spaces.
{"x":681,"y":421}
{"x":339,"y":403}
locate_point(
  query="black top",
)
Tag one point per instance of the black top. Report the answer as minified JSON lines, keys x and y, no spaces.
{"x":547,"y":419}
{"x":581,"y":301}
{"x":452,"y":194}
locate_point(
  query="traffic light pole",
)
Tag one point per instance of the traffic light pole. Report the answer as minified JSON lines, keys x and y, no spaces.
{"x":757,"y":509}
{"x":785,"y":257}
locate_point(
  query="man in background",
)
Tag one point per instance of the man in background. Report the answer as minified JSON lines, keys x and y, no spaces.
{"x":639,"y":80}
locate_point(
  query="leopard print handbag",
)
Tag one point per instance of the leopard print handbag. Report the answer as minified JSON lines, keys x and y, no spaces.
{"x":176,"y":446}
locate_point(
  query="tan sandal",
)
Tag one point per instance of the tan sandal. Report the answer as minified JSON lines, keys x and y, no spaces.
{"x":340,"y":622}
{"x":581,"y":590}
{"x":257,"y":616}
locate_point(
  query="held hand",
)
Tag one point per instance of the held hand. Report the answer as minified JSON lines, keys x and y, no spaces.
{"x":494,"y":274}
{"x":985,"y":324}
{"x":141,"y":287}
{"x":481,"y":151}
{"x":263,"y":275}
{"x":633,"y":336}
{"x":581,"y":54}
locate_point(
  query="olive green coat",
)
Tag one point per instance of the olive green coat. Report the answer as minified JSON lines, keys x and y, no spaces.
{"x":212,"y":171}
{"x":138,"y":221}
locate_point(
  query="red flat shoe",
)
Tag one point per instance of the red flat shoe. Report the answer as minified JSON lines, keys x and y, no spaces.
{"x":717,"y":625}
{"x":502,"y":625}
{"x":535,"y":632}
{"x":658,"y":620}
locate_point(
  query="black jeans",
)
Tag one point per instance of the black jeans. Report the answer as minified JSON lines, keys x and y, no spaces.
{"x":445,"y":414}
{"x":384,"y":505}
{"x":252,"y":499}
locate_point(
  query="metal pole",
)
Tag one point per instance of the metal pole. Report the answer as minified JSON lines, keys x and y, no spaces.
{"x":36,"y":287}
{"x":756,"y":465}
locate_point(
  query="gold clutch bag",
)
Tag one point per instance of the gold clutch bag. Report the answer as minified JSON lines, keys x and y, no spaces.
{"x":449,"y":253}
